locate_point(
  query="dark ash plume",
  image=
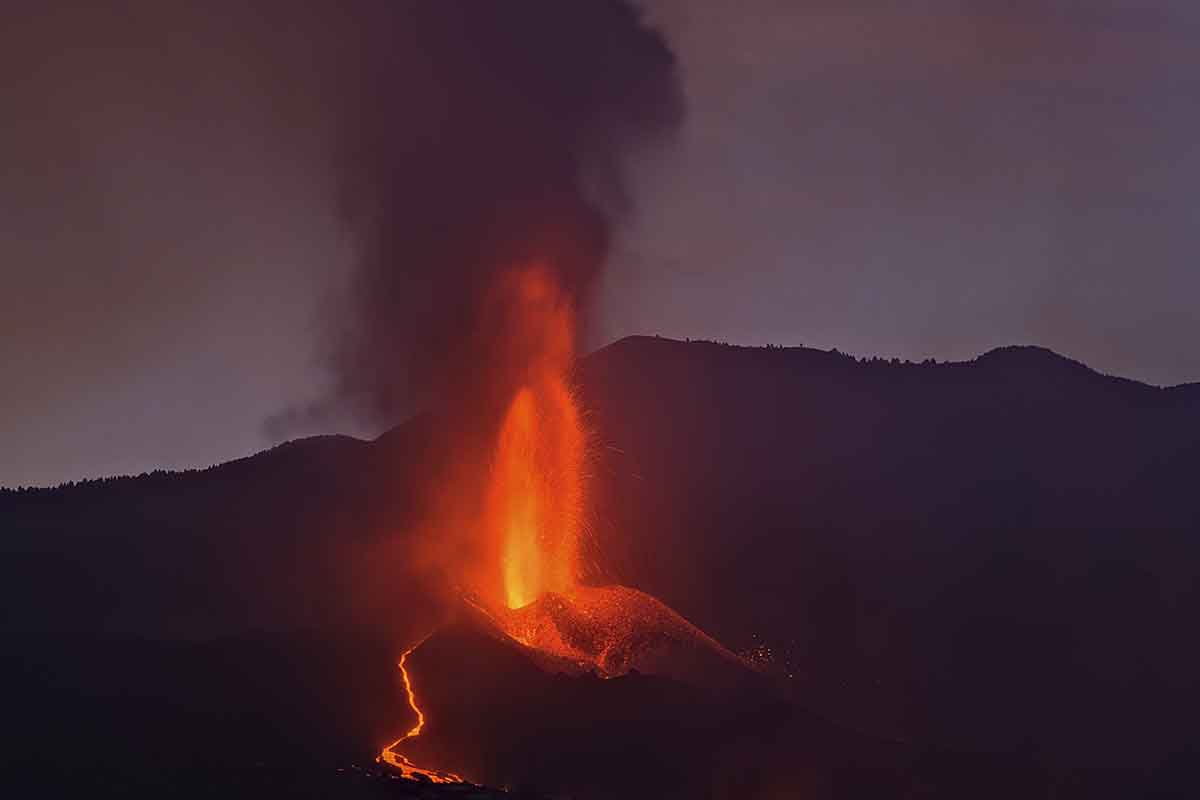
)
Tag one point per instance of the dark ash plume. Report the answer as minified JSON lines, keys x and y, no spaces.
{"x":487,"y":134}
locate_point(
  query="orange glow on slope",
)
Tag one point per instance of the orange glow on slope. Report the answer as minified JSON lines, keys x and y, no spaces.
{"x":400,"y":761}
{"x":607,"y":630}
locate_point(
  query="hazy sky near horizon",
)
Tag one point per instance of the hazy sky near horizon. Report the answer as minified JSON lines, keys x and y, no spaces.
{"x":901,"y":179}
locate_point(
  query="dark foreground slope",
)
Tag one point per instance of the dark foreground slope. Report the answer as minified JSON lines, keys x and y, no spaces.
{"x":502,"y":718}
{"x":997,"y":556}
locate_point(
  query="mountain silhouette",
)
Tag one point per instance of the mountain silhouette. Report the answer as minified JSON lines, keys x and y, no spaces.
{"x":995,"y":556}
{"x":999,"y":553}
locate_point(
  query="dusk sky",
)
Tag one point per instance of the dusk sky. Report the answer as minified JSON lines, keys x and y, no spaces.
{"x":920,"y":179}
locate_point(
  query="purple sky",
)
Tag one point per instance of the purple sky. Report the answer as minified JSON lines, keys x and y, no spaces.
{"x":900,"y":179}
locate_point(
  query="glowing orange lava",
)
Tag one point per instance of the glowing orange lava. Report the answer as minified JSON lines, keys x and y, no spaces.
{"x":532,"y":510}
{"x":398,"y":760}
{"x":536,"y":493}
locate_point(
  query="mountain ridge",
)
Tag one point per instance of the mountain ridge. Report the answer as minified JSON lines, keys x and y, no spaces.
{"x":1029,"y":356}
{"x":896,"y":536}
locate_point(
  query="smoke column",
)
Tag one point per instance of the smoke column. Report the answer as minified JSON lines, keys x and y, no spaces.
{"x":487,"y":135}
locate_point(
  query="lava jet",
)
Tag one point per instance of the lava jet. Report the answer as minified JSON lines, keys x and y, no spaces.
{"x":522,"y":600}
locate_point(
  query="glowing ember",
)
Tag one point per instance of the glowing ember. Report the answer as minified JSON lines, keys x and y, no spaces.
{"x":399,"y":760}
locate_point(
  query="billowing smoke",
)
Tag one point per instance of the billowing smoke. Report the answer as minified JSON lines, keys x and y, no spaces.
{"x":486,"y":135}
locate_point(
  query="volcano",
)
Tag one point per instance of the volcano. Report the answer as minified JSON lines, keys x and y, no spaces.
{"x":572,"y":710}
{"x":766,"y":495}
{"x":591,"y":634}
{"x":523,"y":512}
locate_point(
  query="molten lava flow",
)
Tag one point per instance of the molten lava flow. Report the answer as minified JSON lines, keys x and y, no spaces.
{"x":400,"y":761}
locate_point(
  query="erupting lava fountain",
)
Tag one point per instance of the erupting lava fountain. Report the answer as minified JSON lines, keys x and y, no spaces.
{"x":528,"y":589}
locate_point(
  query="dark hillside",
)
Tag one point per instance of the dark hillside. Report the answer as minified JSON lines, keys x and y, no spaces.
{"x":1001,"y":552}
{"x":998,"y":555}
